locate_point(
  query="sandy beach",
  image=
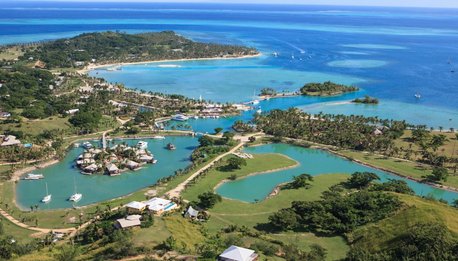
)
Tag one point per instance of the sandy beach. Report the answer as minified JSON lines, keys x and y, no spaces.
{"x":91,"y":67}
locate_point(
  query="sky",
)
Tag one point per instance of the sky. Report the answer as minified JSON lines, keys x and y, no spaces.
{"x":400,"y":3}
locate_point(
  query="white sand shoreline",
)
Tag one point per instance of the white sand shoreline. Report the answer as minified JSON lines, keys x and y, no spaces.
{"x":91,"y":67}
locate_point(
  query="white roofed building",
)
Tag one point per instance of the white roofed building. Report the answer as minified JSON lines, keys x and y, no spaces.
{"x":235,"y":253}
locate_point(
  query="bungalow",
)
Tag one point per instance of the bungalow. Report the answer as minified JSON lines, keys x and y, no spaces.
{"x":132,"y":165}
{"x":72,"y":111}
{"x":135,"y":207}
{"x":129,"y":221}
{"x":191,"y":213}
{"x":112,"y":169}
{"x":9,"y":140}
{"x":146,"y":158}
{"x":160,"y":205}
{"x":235,"y":253}
{"x":377,"y":132}
{"x":91,"y":168}
{"x":4,"y":114}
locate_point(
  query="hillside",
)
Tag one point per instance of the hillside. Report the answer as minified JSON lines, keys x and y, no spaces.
{"x":110,"y":47}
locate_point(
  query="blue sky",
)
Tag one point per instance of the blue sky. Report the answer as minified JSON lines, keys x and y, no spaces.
{"x":403,"y":3}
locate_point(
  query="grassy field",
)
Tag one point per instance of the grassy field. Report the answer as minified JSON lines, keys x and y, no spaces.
{"x":18,"y":233}
{"x":402,"y":167}
{"x":10,"y":53}
{"x":381,"y":234}
{"x":35,"y":127}
{"x":232,"y":212}
{"x":260,"y":163}
{"x":448,"y":149}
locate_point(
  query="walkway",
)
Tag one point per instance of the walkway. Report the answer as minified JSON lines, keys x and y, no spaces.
{"x":178,"y":189}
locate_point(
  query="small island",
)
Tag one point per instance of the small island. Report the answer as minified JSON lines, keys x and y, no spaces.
{"x":326,"y":89}
{"x":366,"y":100}
{"x":112,"y":161}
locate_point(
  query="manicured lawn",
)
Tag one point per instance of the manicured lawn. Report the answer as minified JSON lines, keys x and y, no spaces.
{"x":404,"y":168}
{"x":20,"y":234}
{"x":260,"y":163}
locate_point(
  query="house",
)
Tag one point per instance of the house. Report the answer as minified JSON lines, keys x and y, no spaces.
{"x":129,"y":221}
{"x":191,"y":213}
{"x":72,"y":111}
{"x":160,"y":205}
{"x":132,"y":165}
{"x":39,"y":64}
{"x":377,"y":132}
{"x":135,"y":207}
{"x":4,"y":114}
{"x":112,"y":169}
{"x":91,"y":168}
{"x":235,"y":253}
{"x":9,"y":140}
{"x":146,"y":158}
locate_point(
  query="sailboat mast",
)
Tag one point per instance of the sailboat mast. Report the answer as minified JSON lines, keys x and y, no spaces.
{"x":47,"y":193}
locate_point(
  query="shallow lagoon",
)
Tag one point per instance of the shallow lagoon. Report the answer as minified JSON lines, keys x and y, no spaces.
{"x":313,"y":162}
{"x":60,"y":177}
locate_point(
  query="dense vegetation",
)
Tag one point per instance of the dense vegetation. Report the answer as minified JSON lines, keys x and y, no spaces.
{"x":355,"y":132}
{"x":366,"y":100}
{"x":109,"y":47}
{"x":326,"y":89}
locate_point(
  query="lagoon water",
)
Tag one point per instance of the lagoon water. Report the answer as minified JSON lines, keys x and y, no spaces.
{"x":313,"y":162}
{"x":61,"y":176}
{"x":390,"y":53}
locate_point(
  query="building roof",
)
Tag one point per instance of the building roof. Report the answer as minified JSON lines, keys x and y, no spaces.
{"x":238,"y":254}
{"x":112,"y":167}
{"x":10,"y":140}
{"x":157,"y":204}
{"x":136,"y":205}
{"x":191,"y":212}
{"x":129,"y":221}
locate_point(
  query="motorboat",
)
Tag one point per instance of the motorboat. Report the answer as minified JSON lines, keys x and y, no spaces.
{"x":159,"y":137}
{"x":170,"y":146}
{"x":180,"y":117}
{"x":142,"y":145}
{"x":32,"y":176}
{"x":87,"y":145}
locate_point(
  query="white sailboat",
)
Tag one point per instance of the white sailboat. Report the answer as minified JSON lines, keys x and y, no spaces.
{"x":76,"y":196}
{"x":48,"y":196}
{"x":417,"y":95}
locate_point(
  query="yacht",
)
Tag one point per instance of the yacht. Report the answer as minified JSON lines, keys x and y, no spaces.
{"x":180,"y":117}
{"x":275,"y":54}
{"x":76,"y":196}
{"x":417,"y":95}
{"x":170,"y":146}
{"x":142,"y":145}
{"x":48,"y":196}
{"x":259,"y":111}
{"x":255,"y":102}
{"x":32,"y":176}
{"x":87,"y":145}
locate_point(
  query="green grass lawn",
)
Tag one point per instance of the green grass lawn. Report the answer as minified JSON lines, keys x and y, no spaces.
{"x":20,"y":234}
{"x":185,"y":232}
{"x":380,"y":235}
{"x":152,"y":236}
{"x":404,"y":168}
{"x":260,"y":163}
{"x":35,"y":127}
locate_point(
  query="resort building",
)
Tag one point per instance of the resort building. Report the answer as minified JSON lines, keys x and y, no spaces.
{"x":112,"y":169}
{"x":4,"y":114}
{"x":135,"y":207}
{"x":132,"y":165}
{"x":235,"y":253}
{"x":129,"y":221}
{"x":160,"y":205}
{"x":191,"y":213}
{"x":9,"y":140}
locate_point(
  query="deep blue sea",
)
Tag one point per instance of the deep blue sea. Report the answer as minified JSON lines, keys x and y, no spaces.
{"x":390,"y":53}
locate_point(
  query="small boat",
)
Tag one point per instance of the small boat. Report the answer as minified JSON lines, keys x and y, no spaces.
{"x":259,"y":111}
{"x":159,"y":137}
{"x":195,"y":117}
{"x":275,"y":54}
{"x":180,"y":117}
{"x":32,"y":176}
{"x":76,"y":145}
{"x":170,"y":146}
{"x":255,"y":102}
{"x":154,"y":161}
{"x":76,"y":196}
{"x":142,"y":145}
{"x":417,"y":95}
{"x":87,"y":145}
{"x":48,"y":196}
